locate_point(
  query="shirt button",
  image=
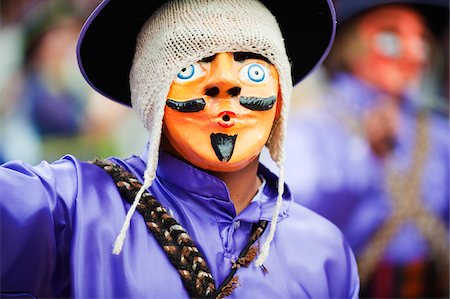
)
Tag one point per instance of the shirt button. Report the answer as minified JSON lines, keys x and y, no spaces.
{"x":236,"y":224}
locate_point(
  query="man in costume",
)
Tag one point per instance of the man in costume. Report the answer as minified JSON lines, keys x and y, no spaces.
{"x":211,"y":81}
{"x":370,"y":157}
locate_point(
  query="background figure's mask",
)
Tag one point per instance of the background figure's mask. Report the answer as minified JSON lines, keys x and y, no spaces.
{"x":220,"y":111}
{"x":397,"y":44}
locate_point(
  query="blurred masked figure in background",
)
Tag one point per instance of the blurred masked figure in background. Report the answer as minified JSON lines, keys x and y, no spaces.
{"x":371,"y":157}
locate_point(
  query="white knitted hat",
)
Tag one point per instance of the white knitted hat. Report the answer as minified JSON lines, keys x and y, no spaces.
{"x":183,"y":32}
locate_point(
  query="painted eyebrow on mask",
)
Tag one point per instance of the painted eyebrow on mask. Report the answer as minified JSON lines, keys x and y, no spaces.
{"x":239,"y":56}
{"x":194,"y":105}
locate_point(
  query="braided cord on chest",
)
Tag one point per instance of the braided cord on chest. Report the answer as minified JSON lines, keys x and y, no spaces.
{"x":175,"y":241}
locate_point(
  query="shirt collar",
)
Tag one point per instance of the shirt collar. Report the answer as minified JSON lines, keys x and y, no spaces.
{"x":190,"y":179}
{"x":179,"y":174}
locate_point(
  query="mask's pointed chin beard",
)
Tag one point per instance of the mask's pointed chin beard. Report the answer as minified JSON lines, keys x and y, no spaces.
{"x":223,"y":145}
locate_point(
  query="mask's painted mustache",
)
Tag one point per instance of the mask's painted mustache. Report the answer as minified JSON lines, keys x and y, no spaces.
{"x":223,"y":145}
{"x":258,"y":104}
{"x":195,"y":105}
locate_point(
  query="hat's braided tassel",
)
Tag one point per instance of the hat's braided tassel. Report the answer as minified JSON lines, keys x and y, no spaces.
{"x":118,"y":243}
{"x":273,"y":224}
{"x":149,"y":176}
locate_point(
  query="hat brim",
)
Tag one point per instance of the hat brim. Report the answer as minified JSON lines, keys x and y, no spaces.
{"x":106,"y":44}
{"x":435,"y":11}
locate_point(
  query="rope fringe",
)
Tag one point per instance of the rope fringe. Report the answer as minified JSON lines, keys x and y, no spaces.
{"x":229,"y":288}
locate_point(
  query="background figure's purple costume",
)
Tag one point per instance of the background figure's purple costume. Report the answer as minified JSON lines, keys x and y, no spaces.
{"x":59,"y":222}
{"x":332,"y":170}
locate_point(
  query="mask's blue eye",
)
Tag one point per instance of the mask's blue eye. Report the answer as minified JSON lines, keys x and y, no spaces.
{"x":190,"y":73}
{"x":186,"y":73}
{"x":254,"y":72}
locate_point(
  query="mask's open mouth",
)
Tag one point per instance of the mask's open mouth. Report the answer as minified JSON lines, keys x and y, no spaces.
{"x":226,"y":119}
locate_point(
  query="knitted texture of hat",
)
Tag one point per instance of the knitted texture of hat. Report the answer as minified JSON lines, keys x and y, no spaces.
{"x":182,"y":32}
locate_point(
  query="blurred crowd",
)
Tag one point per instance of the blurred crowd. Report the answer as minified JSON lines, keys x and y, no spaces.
{"x":46,"y":107}
{"x":368,"y":139}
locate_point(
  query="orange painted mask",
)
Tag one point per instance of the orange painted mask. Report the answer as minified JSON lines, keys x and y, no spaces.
{"x":220,"y":110}
{"x":396,"y":39}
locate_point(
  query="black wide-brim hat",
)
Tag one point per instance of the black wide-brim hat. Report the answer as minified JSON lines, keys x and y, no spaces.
{"x":107,"y":41}
{"x":436,"y":12}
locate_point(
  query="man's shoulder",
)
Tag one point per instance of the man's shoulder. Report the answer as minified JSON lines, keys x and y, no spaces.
{"x":63,"y":176}
{"x":302,"y":220}
{"x":325,"y":240}
{"x":314,"y":244}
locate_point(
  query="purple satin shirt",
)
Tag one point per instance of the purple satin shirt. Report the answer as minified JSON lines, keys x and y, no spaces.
{"x":59,"y":222}
{"x":331,"y":169}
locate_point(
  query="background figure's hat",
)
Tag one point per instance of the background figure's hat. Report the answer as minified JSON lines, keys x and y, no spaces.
{"x":435,"y":11}
{"x":107,"y":42}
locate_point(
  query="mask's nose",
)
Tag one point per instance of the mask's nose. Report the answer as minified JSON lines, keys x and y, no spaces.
{"x":223,"y":82}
